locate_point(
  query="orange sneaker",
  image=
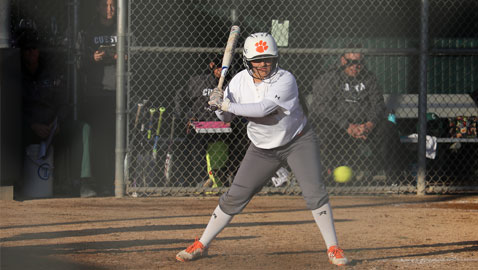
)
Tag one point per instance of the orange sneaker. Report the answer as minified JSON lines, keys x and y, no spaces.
{"x":336,"y":256}
{"x":193,"y":252}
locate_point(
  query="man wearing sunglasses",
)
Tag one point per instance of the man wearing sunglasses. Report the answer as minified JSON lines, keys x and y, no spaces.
{"x":348,"y":107}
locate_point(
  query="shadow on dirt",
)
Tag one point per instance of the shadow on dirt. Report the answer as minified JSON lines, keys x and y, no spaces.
{"x":381,"y":201}
{"x":464,"y":246}
{"x":42,"y":256}
{"x":38,"y":258}
{"x":148,"y":228}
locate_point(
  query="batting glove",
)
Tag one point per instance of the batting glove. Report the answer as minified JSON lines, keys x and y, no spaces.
{"x":215,"y":104}
{"x":220,"y":104}
{"x":216,"y":95}
{"x":225,"y":105}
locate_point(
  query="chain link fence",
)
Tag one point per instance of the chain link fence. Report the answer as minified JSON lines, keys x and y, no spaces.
{"x":171,"y":42}
{"x":170,"y":45}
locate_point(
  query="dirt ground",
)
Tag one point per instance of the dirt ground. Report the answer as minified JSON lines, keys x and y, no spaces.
{"x":273,"y":232}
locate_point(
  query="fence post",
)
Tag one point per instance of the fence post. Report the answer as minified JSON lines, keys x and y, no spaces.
{"x":422,"y":98}
{"x":120,"y":101}
{"x":73,"y":49}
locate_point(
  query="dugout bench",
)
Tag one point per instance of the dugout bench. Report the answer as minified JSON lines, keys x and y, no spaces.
{"x":445,"y":106}
{"x":456,"y":157}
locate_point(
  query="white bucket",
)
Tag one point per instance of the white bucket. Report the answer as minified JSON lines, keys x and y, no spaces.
{"x":37,"y":173}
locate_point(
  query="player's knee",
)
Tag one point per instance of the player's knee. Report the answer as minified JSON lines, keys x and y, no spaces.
{"x":232,"y":206}
{"x":314,"y":202}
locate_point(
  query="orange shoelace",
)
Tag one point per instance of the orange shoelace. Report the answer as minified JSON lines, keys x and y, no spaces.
{"x":195,"y":246}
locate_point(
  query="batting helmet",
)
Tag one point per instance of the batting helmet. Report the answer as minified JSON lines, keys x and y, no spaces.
{"x":260,"y":46}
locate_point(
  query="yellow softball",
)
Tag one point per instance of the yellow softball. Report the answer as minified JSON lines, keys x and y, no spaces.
{"x":343,"y":174}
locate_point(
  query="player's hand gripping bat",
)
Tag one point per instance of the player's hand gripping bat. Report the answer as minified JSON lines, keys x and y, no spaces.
{"x":227,"y":58}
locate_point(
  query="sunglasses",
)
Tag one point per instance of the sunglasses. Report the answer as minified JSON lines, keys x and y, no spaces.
{"x":265,"y":60}
{"x":350,"y":62}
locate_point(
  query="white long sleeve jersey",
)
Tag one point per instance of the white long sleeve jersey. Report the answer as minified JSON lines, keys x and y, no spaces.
{"x":271,"y":106}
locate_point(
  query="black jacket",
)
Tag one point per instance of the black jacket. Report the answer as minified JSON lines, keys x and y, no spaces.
{"x":100,"y":76}
{"x":44,"y":96}
{"x":192,"y":99}
{"x":343,"y":99}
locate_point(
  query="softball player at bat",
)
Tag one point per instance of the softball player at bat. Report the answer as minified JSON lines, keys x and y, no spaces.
{"x":268,"y":96}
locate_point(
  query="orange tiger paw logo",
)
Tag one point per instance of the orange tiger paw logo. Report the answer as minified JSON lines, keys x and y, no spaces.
{"x":261,"y":46}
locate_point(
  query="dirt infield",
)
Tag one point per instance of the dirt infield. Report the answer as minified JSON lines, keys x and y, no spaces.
{"x":274,"y":232}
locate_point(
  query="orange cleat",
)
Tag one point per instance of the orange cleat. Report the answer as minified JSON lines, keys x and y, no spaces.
{"x":336,"y":256}
{"x":193,"y":252}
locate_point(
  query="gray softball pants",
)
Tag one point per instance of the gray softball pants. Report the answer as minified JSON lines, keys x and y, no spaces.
{"x":259,"y":165}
